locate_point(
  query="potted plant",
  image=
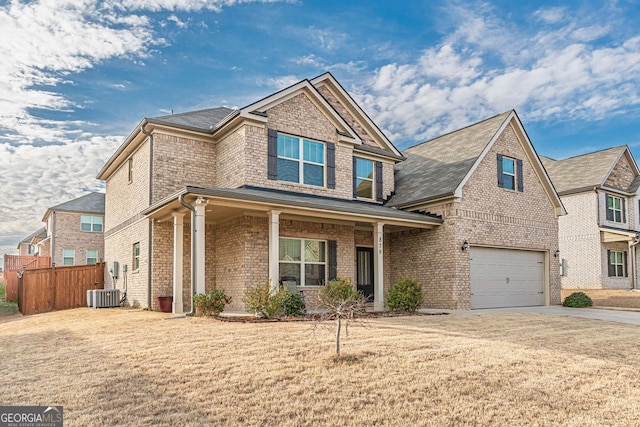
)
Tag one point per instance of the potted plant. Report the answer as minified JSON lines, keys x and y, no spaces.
{"x":166,"y":303}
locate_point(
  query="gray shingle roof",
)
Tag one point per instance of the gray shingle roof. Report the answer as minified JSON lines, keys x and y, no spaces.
{"x":89,"y":203}
{"x":199,"y":119}
{"x":42,"y":232}
{"x":436,"y":167}
{"x":587,"y":170}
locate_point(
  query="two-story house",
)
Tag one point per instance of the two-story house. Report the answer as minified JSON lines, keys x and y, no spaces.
{"x":27,"y":246}
{"x":300,"y":187}
{"x":73,"y":231}
{"x":598,"y":237}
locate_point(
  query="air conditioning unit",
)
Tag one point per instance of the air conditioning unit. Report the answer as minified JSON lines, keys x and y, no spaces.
{"x":103,"y":298}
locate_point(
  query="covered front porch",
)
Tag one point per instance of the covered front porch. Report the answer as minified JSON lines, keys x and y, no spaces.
{"x":232,"y":239}
{"x":619,"y":248}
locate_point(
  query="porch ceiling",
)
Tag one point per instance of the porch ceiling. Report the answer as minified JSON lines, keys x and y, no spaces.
{"x":610,"y":235}
{"x":225,"y":204}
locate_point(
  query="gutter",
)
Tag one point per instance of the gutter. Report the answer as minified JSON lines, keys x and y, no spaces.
{"x":193,"y":250}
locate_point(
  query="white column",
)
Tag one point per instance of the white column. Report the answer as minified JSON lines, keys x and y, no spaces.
{"x":274,"y":248}
{"x":378,"y":266}
{"x":199,"y":205}
{"x":178,"y":268}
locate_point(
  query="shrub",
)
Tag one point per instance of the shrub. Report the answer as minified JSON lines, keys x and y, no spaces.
{"x":406,"y":295}
{"x":212,"y":303}
{"x":292,"y":304}
{"x":577,"y":299}
{"x":262,"y":301}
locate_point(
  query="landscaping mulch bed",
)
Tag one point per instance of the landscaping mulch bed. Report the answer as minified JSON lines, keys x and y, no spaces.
{"x":316,"y":316}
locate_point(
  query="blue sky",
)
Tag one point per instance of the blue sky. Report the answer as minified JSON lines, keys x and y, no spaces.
{"x":81,"y":74}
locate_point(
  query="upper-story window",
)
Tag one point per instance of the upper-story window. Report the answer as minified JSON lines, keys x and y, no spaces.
{"x":615,"y":208}
{"x":91,"y":223}
{"x":510,"y":173}
{"x":300,"y":160}
{"x":364,"y":178}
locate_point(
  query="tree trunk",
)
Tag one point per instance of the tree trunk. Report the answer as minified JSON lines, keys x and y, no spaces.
{"x":338,"y":327}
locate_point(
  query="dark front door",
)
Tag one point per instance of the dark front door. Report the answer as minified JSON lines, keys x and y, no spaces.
{"x":364,"y":266}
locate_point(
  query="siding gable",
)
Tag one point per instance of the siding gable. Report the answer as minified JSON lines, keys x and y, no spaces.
{"x":621,"y":175}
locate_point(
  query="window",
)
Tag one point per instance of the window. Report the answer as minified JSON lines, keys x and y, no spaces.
{"x":91,"y":223}
{"x":92,"y":256}
{"x":32,"y":249}
{"x":303,"y":260}
{"x":305,"y":169}
{"x":130,"y":164}
{"x":364,"y":178}
{"x":136,"y":256}
{"x":509,"y":173}
{"x":68,"y":256}
{"x":615,"y":208}
{"x":617,"y":263}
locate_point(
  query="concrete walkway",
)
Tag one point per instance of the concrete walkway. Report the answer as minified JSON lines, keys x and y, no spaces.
{"x":620,"y":316}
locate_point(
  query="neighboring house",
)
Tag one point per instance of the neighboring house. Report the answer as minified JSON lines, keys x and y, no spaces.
{"x":74,"y":231}
{"x":28,"y":245}
{"x":598,"y":237}
{"x":495,"y":247}
{"x":298,"y":188}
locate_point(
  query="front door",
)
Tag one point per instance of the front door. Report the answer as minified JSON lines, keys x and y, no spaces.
{"x":364,"y":266}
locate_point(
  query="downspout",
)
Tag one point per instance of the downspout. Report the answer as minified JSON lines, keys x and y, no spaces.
{"x":149,"y":246}
{"x":632,"y":255}
{"x":53,"y":238}
{"x":193,"y":250}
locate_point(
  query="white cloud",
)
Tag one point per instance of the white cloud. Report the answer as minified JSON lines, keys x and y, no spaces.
{"x":553,"y":72}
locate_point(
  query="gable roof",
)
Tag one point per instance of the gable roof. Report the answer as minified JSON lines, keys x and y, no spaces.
{"x":587,"y":171}
{"x":42,"y":233}
{"x":89,"y":203}
{"x":435,"y":168}
{"x":439,"y":168}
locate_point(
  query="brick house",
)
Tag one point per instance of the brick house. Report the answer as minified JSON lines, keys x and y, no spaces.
{"x":598,"y":236}
{"x":27,"y":246}
{"x":73,"y":232}
{"x":301,"y":187}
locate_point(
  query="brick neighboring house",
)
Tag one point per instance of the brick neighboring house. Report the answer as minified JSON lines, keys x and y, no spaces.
{"x":299,"y":187}
{"x":27,"y":246}
{"x":73,"y":231}
{"x":598,"y":236}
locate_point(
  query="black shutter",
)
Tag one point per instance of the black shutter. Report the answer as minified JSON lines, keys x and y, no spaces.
{"x":519,"y":175}
{"x":333,"y":259}
{"x":612,"y":268}
{"x":626,"y":270}
{"x":379,"y":181}
{"x":500,"y":177}
{"x":624,"y":210}
{"x":331,"y":165}
{"x":272,"y":152}
{"x":606,"y":206}
{"x":355,"y":189}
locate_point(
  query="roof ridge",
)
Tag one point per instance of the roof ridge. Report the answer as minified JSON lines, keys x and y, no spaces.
{"x":591,"y":152}
{"x":192,"y":111}
{"x":458,"y":130}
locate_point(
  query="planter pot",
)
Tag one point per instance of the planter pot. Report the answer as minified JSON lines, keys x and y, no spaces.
{"x":166,"y":304}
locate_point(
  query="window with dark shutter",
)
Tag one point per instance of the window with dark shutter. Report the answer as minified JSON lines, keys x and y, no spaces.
{"x":331,"y":165}
{"x":617,"y":263}
{"x":272,"y":152}
{"x":519,"y":175}
{"x":333,"y":259}
{"x":355,"y":178}
{"x":379,"y":188}
{"x":624,"y":210}
{"x":500,"y":176}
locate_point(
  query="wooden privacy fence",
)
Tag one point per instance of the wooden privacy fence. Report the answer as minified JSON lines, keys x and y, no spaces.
{"x":15,"y":263}
{"x":58,"y":288}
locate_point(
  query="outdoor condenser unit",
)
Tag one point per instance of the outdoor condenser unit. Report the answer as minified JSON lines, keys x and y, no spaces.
{"x":103,"y":298}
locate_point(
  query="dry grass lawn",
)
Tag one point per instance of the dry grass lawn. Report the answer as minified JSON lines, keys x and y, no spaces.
{"x":120,"y":367}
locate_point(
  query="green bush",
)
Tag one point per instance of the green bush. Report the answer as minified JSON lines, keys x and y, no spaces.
{"x":406,"y":295}
{"x":293,"y":304}
{"x":212,"y":303}
{"x":578,"y":300}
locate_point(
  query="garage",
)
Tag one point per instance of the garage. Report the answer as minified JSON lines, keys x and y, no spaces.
{"x":506,"y":278}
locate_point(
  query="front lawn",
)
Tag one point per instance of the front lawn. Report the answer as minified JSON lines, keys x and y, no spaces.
{"x":123,"y":367}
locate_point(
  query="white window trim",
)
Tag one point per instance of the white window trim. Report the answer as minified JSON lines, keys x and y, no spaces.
{"x":615,"y":264}
{"x":515,"y":184}
{"x":301,"y":162}
{"x":87,"y":256}
{"x":130,"y":170}
{"x":73,"y":257}
{"x":613,"y":208}
{"x":302,"y":261}
{"x":136,"y":257}
{"x":92,"y":223}
{"x":372,"y":179}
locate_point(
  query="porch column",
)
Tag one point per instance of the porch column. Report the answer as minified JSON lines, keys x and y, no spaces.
{"x":199,"y":206}
{"x":274,"y":249}
{"x":378,"y":266}
{"x":178,"y":268}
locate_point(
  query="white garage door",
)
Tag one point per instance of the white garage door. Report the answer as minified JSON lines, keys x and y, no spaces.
{"x":506,"y":278}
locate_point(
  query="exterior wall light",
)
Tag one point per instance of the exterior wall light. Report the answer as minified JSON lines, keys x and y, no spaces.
{"x":465,"y":245}
{"x":556,"y":254}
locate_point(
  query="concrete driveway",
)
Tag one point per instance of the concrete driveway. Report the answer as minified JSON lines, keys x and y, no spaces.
{"x":630,"y":317}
